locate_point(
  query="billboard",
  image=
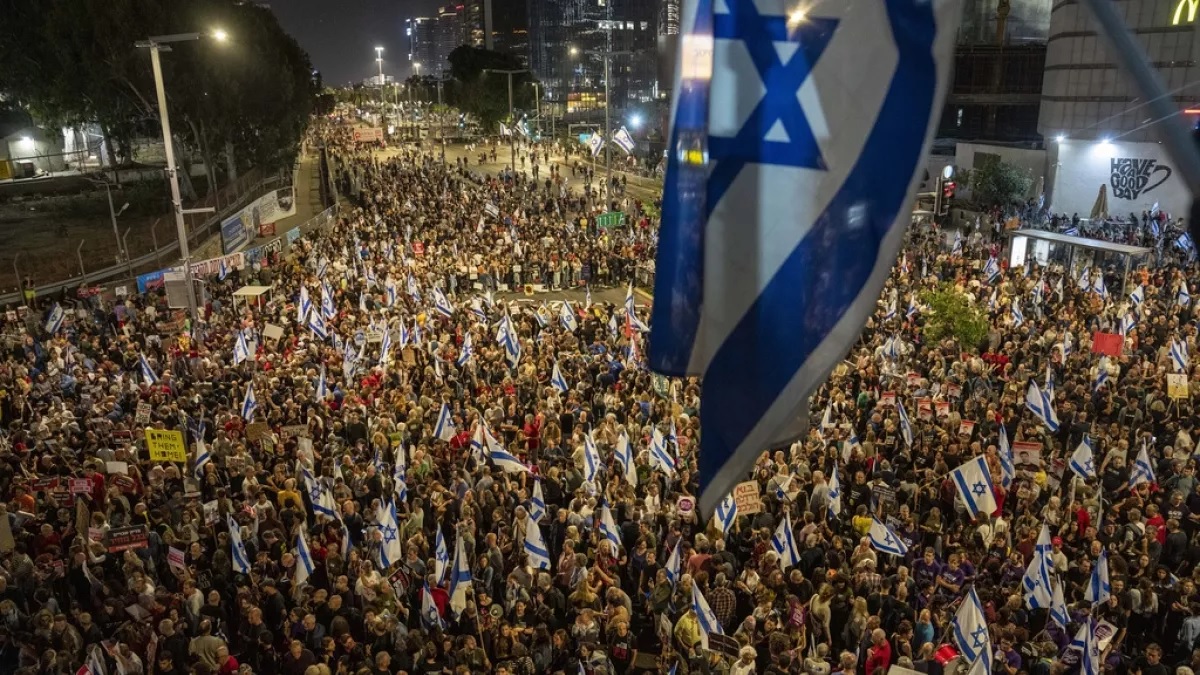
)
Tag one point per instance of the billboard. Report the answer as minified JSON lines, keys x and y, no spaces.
{"x":257,"y":219}
{"x":367,"y":134}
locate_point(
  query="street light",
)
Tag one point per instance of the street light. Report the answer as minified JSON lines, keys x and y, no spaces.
{"x":157,"y":44}
{"x":607,"y":55}
{"x":220,"y":35}
{"x":635,"y":121}
{"x":112,"y":213}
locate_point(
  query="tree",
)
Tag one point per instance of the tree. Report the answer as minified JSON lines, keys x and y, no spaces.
{"x":998,"y":183}
{"x":74,"y":62}
{"x":483,"y":94}
{"x":951,"y":314}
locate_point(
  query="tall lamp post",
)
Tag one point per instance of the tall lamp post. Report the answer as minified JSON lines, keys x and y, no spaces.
{"x":379,"y":61}
{"x":511,"y":141}
{"x":607,"y":56}
{"x":157,"y":44}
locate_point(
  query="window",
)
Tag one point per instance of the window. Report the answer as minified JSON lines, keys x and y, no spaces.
{"x":958,"y":118}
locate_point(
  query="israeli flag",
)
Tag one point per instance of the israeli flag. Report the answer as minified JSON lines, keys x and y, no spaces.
{"x":385,"y":348}
{"x":1138,"y":296}
{"x":507,"y":462}
{"x":1128,"y":323}
{"x":557,"y":380}
{"x":55,"y":319}
{"x":536,"y":552}
{"x":608,"y":529}
{"x":241,"y":350}
{"x":782,"y":216}
{"x":1017,"y":317}
{"x":1038,"y":592}
{"x":660,"y":457}
{"x":304,"y":560}
{"x":504,"y":131}
{"x":1101,"y":374}
{"x":441,"y":305}
{"x":222,"y":270}
{"x":313,"y":488}
{"x":1183,"y":297}
{"x":316,"y":323}
{"x":1143,"y":471}
{"x":445,"y":429}
{"x":885,"y":540}
{"x":1179,"y":356}
{"x":1098,"y":284}
{"x":596,"y":143}
{"x":783,"y":542}
{"x":957,"y":247}
{"x":704,"y":616}
{"x":148,"y":374}
{"x":992,"y":270}
{"x":905,"y":425}
{"x":890,"y":312}
{"x":1071,"y":231}
{"x":304,"y":306}
{"x":1007,"y":468}
{"x":623,"y":140}
{"x":460,"y":578}
{"x":1083,"y":460}
{"x":202,"y":457}
{"x":405,"y":335}
{"x":726,"y":514}
{"x":1041,"y":406}
{"x":1058,"y":607}
{"x":441,"y":556}
{"x":1084,"y":280}
{"x":467,"y":351}
{"x":673,"y":566}
{"x":328,"y":309}
{"x":542,"y":316}
{"x":478,"y":449}
{"x":476,"y":309}
{"x":537,"y":503}
{"x":970,"y":628}
{"x":835,"y":492}
{"x":510,"y":343}
{"x":390,"y":548}
{"x":431,"y":618}
{"x":624,"y":456}
{"x":974,"y":483}
{"x":249,"y":403}
{"x":912,"y":308}
{"x":566,"y":315}
{"x":1099,"y":590}
{"x":1089,"y":660}
{"x":591,"y":457}
{"x":241,"y":561}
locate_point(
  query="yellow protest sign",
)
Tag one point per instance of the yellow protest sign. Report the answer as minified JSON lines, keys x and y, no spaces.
{"x":1177,"y":385}
{"x":165,"y":445}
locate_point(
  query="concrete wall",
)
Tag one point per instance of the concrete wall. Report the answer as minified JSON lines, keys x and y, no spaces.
{"x":1137,"y":176}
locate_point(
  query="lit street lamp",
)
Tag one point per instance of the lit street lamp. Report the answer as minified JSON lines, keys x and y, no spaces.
{"x":157,"y":44}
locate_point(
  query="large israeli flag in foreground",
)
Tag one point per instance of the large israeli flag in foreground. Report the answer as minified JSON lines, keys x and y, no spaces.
{"x":797,"y":141}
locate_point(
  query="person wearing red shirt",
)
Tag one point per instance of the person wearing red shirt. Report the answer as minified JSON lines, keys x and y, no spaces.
{"x":879,"y":655}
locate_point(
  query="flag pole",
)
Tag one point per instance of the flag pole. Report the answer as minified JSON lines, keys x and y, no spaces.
{"x":1178,"y":142}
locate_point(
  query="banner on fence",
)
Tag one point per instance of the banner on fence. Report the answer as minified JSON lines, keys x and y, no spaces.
{"x":239,"y":229}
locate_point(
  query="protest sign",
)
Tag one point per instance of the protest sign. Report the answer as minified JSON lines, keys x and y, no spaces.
{"x":166,"y":445}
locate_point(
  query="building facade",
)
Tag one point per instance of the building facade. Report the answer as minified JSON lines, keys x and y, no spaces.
{"x":510,"y":28}
{"x":475,"y":20}
{"x":1098,"y":129}
{"x":431,"y":39}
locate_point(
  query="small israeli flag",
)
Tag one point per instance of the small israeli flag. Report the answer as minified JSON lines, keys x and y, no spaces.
{"x":557,"y":380}
{"x":1128,"y":323}
{"x":316,"y":323}
{"x":441,"y":304}
{"x":890,"y":312}
{"x":1083,"y":460}
{"x":783,"y":542}
{"x":54,"y":320}
{"x":1039,"y":404}
{"x":596,"y":143}
{"x":624,"y":456}
{"x":328,"y":308}
{"x":148,"y":375}
{"x":905,"y":425}
{"x":304,"y":561}
{"x":660,"y":456}
{"x":441,"y":556}
{"x":1138,"y":296}
{"x":623,"y":140}
{"x":673,"y":567}
{"x":537,"y":503}
{"x":445,"y":429}
{"x":536,"y":552}
{"x":704,"y":616}
{"x":1017,"y":317}
{"x":391,"y":550}
{"x":1101,"y":374}
{"x":222,"y":270}
{"x":1099,"y":590}
{"x":591,"y":457}
{"x":1058,"y":607}
{"x":974,"y":483}
{"x":241,"y":350}
{"x":566,"y":315}
{"x":957,"y":247}
{"x":970,"y":628}
{"x":202,"y":458}
{"x":385,"y":348}
{"x":1038,"y":592}
{"x":1007,"y":468}
{"x":726,"y":514}
{"x":835,"y":492}
{"x":1183,"y":297}
{"x":303,"y":306}
{"x":249,"y":403}
{"x":1143,"y":471}
{"x":431,"y":618}
{"x":1090,"y":662}
{"x":1179,"y":356}
{"x":885,"y":540}
{"x":992,"y":270}
{"x":608,"y":529}
{"x":1098,"y":284}
{"x":507,"y":462}
{"x":460,"y":579}
{"x":241,"y":561}
{"x":467,"y":352}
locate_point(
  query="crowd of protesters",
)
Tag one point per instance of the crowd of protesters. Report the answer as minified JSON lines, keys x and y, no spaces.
{"x":322,"y":429}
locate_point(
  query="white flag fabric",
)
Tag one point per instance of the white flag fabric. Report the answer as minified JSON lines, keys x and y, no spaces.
{"x":537,"y":503}
{"x":974,"y":483}
{"x":441,"y":556}
{"x":970,"y":628}
{"x":835,"y":492}
{"x":625,"y":458}
{"x":623,"y":140}
{"x":460,"y":579}
{"x":764,"y":312}
{"x":591,"y":457}
{"x":1083,"y":460}
{"x":705,"y":616}
{"x":1007,"y":469}
{"x":726,"y":514}
{"x":390,"y":549}
{"x":660,"y":456}
{"x":783,"y":542}
{"x":535,"y":546}
{"x":1099,"y":589}
{"x":608,"y":529}
{"x":445,"y":429}
{"x":1038,"y":591}
{"x":249,"y":403}
{"x":1058,"y":607}
{"x":54,"y":320}
{"x":505,"y":460}
{"x":557,"y":380}
{"x":202,"y":458}
{"x":241,"y":561}
{"x":673,"y":566}
{"x":304,"y":560}
{"x":1143,"y":471}
{"x":885,"y":540}
{"x":1042,"y":407}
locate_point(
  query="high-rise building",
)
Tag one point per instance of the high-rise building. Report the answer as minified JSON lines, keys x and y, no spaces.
{"x":476,"y":23}
{"x":447,"y":36}
{"x":431,"y":39}
{"x":510,"y":28}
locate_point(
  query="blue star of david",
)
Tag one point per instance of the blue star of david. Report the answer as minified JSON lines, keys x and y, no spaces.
{"x":315,"y":494}
{"x":780,"y":104}
{"x":389,"y":534}
{"x":1088,"y":467}
{"x":979,"y":488}
{"x":977,"y":636}
{"x":888,"y":540}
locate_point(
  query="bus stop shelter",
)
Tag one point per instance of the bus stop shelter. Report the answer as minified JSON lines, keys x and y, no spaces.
{"x":1047,"y":247}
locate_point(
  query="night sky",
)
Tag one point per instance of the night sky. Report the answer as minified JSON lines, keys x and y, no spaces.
{"x":340,"y":36}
